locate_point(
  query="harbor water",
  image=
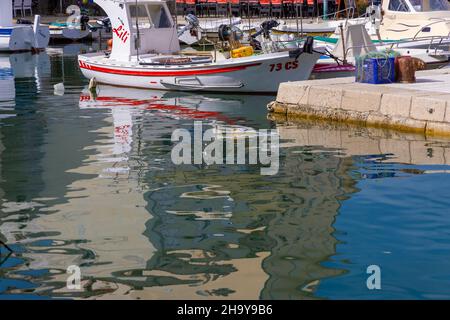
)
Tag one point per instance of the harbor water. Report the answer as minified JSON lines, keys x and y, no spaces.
{"x":89,"y":181}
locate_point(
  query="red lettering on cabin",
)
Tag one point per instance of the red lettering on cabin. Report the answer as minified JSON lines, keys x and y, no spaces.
{"x":121,"y":33}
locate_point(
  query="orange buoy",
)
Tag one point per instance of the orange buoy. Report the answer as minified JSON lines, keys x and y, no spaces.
{"x":110,"y":44}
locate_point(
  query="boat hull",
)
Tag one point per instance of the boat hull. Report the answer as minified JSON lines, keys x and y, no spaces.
{"x":68,"y":34}
{"x":22,"y":38}
{"x":261,"y":73}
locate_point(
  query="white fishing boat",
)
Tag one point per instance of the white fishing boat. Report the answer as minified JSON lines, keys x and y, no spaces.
{"x":20,"y":37}
{"x":145,"y":54}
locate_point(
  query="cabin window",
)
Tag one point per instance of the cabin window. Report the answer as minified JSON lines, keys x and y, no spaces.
{"x":398,"y":5}
{"x":159,"y":16}
{"x":430,"y":5}
{"x":140,"y":16}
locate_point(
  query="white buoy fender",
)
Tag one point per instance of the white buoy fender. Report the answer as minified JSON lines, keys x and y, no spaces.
{"x":59,"y":89}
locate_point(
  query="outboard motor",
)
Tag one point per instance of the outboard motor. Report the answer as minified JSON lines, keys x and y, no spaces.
{"x":192,"y":20}
{"x":308,"y":47}
{"x":23,"y":21}
{"x":192,"y":24}
{"x":230,"y":33}
{"x":84,"y":22}
{"x":105,"y":23}
{"x":265,"y":28}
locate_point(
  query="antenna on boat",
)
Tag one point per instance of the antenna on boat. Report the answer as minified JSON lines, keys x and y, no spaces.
{"x":249,"y":18}
{"x":230,"y":15}
{"x":137,"y":40}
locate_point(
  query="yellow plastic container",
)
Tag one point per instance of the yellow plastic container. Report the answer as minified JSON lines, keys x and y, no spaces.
{"x":242,"y":52}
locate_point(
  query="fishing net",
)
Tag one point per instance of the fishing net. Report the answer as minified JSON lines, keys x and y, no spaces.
{"x":376,"y":67}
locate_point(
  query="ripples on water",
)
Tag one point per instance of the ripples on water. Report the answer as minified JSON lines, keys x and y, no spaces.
{"x":90,"y":182}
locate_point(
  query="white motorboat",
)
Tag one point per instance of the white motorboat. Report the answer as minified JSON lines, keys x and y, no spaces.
{"x":20,"y":37}
{"x":410,"y":23}
{"x":145,"y":54}
{"x":413,"y":19}
{"x":356,"y":42}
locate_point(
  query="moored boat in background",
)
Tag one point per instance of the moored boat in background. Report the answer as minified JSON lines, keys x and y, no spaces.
{"x":26,"y":36}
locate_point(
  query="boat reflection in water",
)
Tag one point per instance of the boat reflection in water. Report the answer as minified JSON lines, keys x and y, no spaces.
{"x":18,"y":66}
{"x":7,"y":88}
{"x":209,"y":232}
{"x":141,"y":227}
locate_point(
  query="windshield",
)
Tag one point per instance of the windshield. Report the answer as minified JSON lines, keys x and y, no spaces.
{"x":430,"y":5}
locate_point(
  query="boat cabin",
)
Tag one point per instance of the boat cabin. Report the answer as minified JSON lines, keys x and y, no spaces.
{"x":140,"y":27}
{"x":415,"y":6}
{"x":413,"y":19}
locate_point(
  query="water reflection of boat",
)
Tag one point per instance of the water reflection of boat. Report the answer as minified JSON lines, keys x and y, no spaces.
{"x":28,"y":65}
{"x":7,"y":88}
{"x":225,"y":108}
{"x":17,"y":66}
{"x":141,"y":227}
{"x":182,"y":213}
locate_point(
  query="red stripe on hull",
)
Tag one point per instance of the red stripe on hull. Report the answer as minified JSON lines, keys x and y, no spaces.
{"x":84,"y":65}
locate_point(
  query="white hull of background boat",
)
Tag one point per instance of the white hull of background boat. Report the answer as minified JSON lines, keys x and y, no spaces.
{"x":68,"y":34}
{"x":20,"y":37}
{"x":310,"y":27}
{"x":23,"y":38}
{"x":261,"y":73}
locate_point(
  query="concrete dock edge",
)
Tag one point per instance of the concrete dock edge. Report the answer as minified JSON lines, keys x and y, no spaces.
{"x":423,"y":107}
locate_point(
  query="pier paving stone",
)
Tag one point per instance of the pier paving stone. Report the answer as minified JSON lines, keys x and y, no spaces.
{"x":429,"y":108}
{"x":325,"y":96}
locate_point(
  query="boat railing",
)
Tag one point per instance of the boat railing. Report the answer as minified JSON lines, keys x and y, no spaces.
{"x":426,"y":26}
{"x":434,"y":43}
{"x":350,"y":14}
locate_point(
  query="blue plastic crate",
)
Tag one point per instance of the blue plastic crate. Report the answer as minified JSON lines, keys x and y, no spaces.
{"x":375,"y":70}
